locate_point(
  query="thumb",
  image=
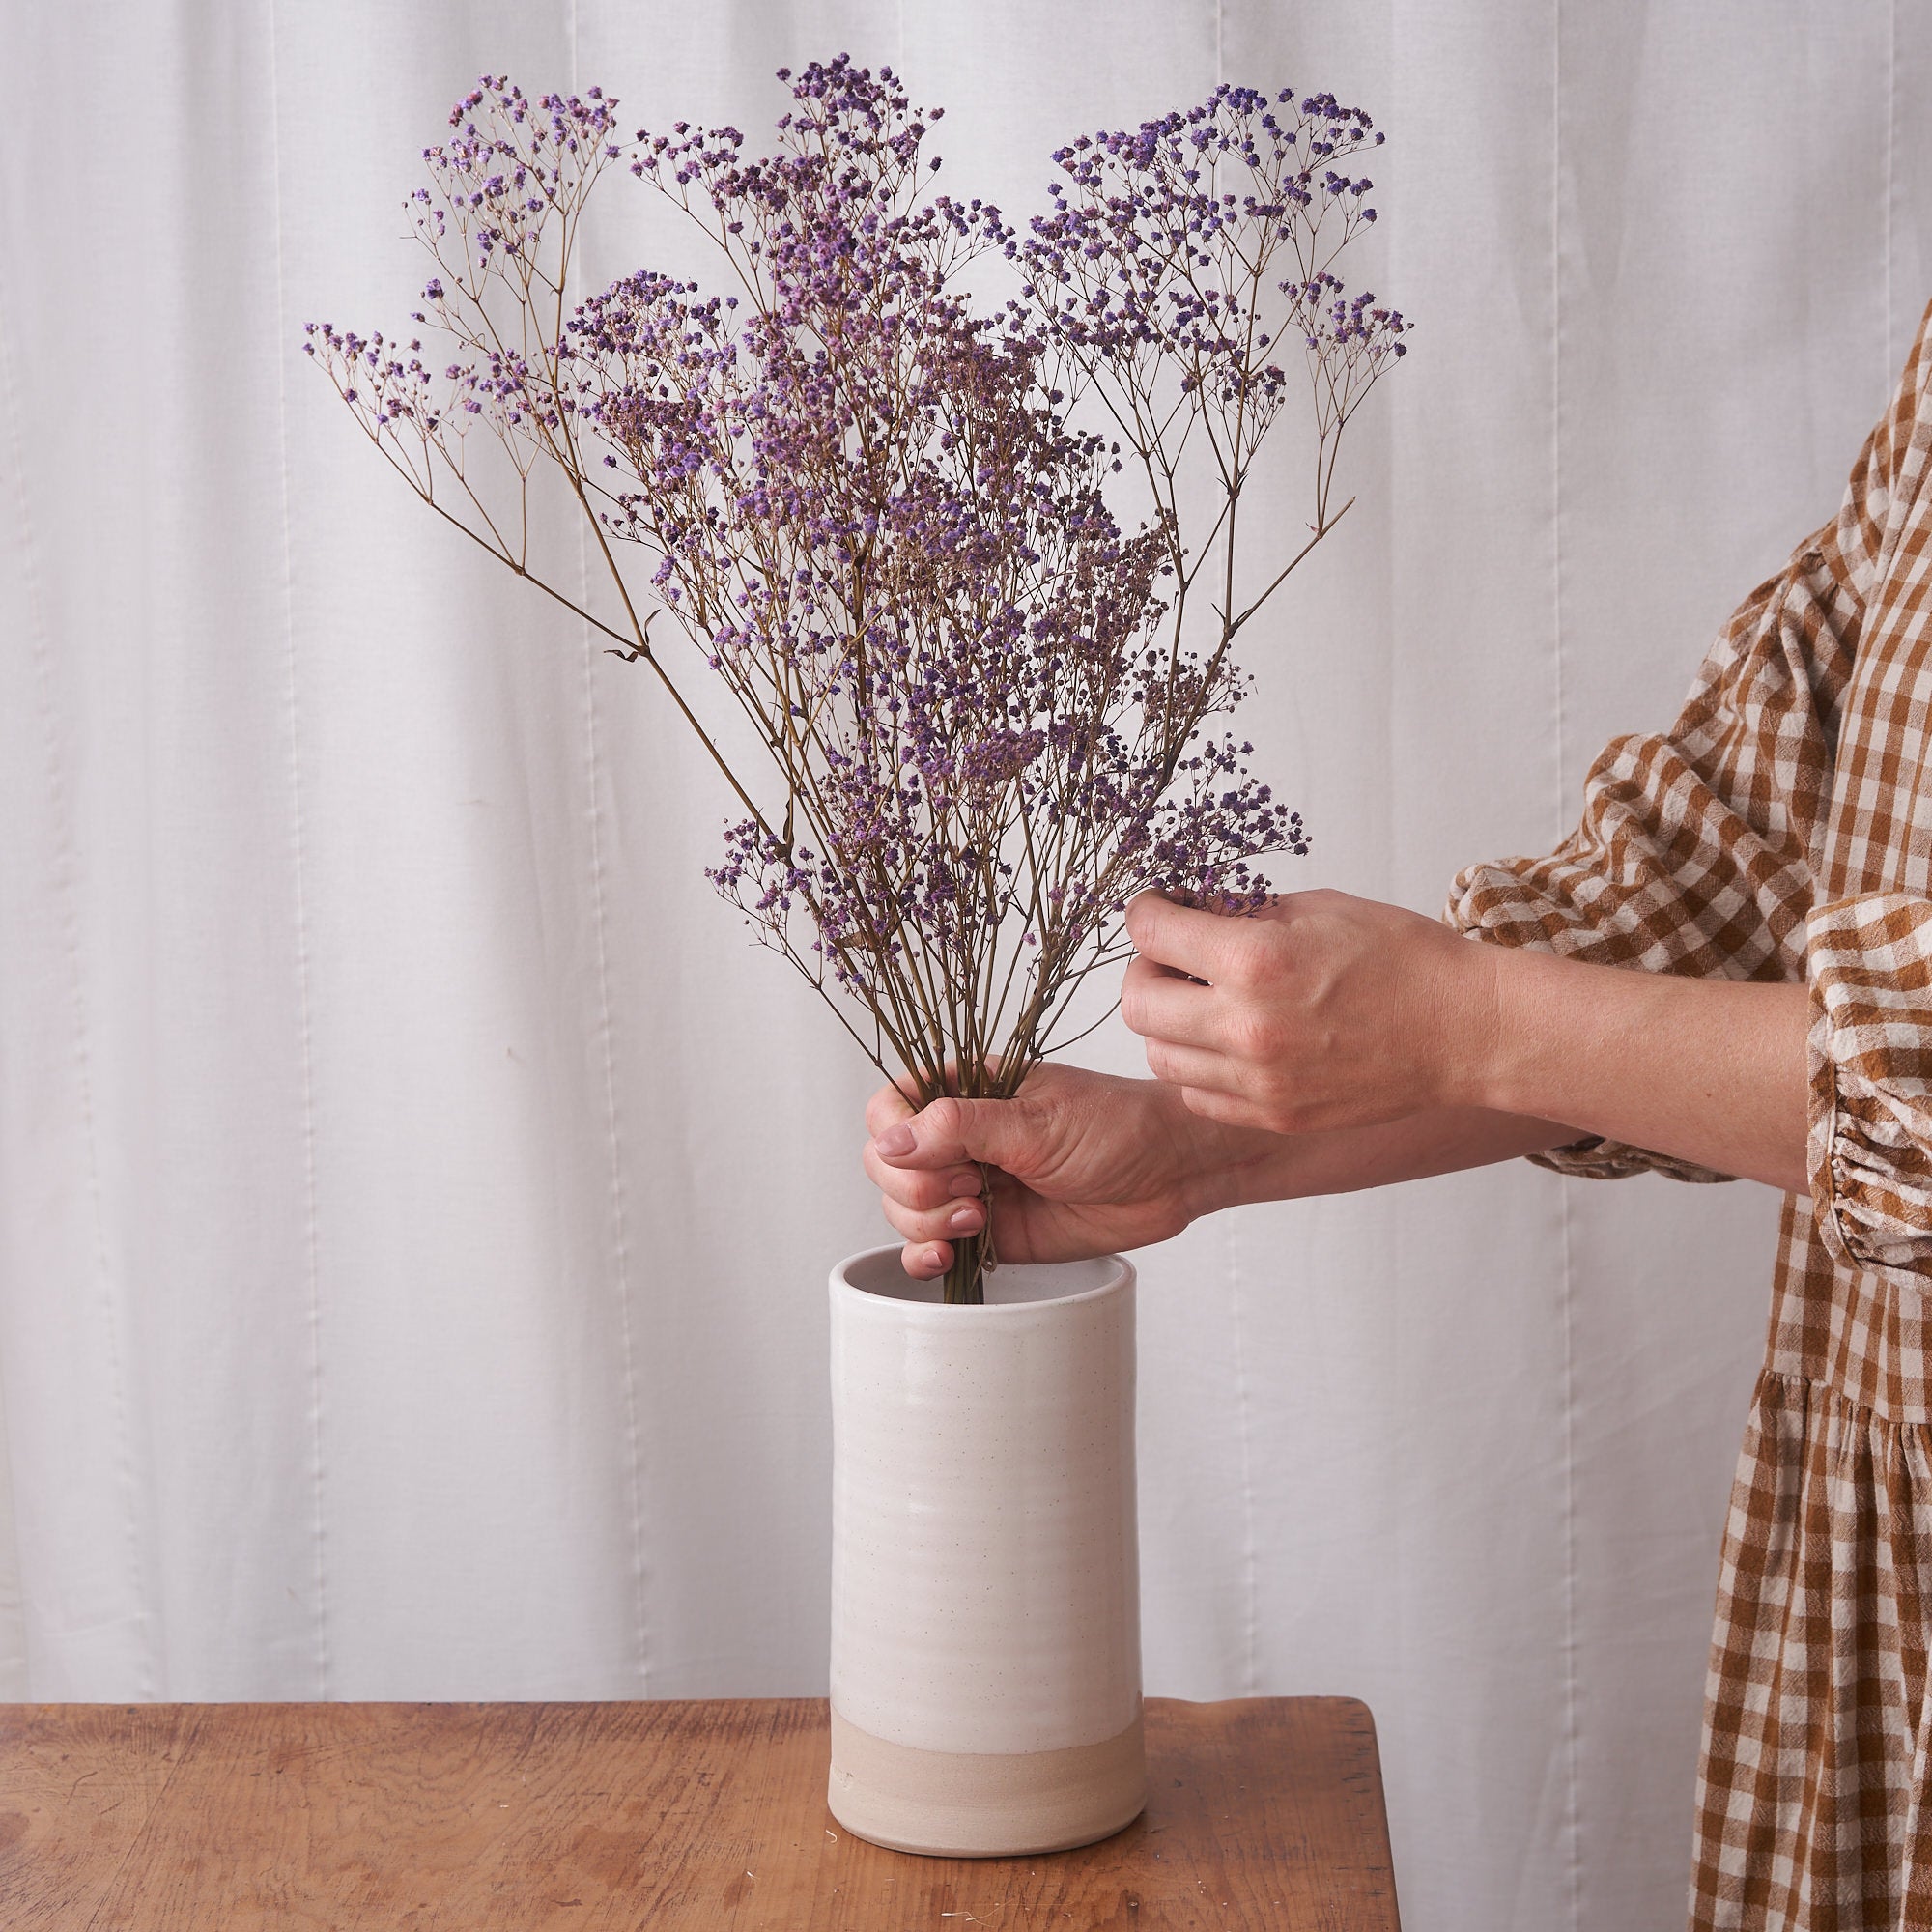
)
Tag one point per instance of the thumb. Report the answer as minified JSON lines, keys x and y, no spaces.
{"x":1000,"y":1133}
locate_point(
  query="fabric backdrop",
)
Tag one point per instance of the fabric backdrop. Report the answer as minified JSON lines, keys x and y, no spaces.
{"x":415,"y":1191}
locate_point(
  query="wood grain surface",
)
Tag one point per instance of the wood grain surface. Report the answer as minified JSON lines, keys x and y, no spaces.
{"x":1266,"y":1813}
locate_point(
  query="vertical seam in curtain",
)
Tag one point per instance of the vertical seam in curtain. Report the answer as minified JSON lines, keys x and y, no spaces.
{"x":66,"y":869}
{"x":17,"y":447}
{"x":299,"y":874}
{"x":1250,"y":1550}
{"x":1891,"y":361}
{"x":1572,"y":1834}
{"x":620,"y":1224}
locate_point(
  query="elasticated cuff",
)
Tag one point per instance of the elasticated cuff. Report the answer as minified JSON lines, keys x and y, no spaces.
{"x":1868,"y":963}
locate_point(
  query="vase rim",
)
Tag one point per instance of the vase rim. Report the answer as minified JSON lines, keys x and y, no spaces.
{"x":900,"y":1289}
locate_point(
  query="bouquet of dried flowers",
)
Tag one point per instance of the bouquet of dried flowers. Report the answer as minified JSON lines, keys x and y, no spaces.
{"x":890,"y":522}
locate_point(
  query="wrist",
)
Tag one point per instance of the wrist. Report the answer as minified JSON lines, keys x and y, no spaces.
{"x":1562,"y":1031}
{"x":1479,"y":1029}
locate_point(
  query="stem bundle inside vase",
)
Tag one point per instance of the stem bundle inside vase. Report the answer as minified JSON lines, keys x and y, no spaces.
{"x":970,"y":565}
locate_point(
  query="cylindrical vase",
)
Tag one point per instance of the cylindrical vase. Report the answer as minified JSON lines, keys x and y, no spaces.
{"x":986,"y":1569}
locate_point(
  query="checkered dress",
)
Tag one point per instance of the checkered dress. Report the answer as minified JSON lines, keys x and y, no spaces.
{"x":1781,"y":829}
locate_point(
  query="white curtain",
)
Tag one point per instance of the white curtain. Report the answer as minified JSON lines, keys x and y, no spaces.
{"x":415,"y":1190}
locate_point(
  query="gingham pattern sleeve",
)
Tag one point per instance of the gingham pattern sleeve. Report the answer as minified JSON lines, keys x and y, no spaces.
{"x":1871,"y":1152}
{"x":1694,"y":851}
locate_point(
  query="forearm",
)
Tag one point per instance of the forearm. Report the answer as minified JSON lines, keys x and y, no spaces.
{"x":1712,"y":1071}
{"x":1709,"y":1070}
{"x":1339,"y":1043}
{"x":1261,"y":1166}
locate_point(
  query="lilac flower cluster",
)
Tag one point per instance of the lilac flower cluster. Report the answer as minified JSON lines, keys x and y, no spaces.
{"x":884,"y":519}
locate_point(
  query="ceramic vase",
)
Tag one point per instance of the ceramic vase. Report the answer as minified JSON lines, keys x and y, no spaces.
{"x":985,"y":1575}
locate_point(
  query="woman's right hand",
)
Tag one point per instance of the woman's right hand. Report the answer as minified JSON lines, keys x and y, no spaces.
{"x":1079,"y":1164}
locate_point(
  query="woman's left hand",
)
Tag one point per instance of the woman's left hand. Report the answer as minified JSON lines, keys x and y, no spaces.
{"x":1322,"y":1011}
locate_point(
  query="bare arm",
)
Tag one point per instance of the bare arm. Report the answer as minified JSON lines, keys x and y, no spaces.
{"x":1338,"y":1012}
{"x":1711,"y":1070}
{"x":1439,"y":1140}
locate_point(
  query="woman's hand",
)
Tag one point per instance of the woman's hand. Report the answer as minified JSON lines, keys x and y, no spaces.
{"x":1323,"y":1012}
{"x":1080,"y":1164}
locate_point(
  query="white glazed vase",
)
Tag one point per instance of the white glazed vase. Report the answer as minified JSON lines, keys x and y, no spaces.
{"x":985,"y":1569}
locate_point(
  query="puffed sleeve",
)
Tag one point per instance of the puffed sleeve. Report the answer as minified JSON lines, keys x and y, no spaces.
{"x":1695,"y":850}
{"x":1870,"y":1152}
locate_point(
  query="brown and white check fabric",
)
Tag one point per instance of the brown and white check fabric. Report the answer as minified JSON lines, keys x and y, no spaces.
{"x":1782,"y":830}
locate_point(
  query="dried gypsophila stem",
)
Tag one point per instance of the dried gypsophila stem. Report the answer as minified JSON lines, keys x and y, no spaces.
{"x":872,"y":513}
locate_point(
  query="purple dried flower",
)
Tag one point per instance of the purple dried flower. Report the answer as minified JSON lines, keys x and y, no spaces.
{"x":884,"y":519}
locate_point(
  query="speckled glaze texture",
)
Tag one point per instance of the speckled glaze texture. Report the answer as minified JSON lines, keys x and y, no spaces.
{"x":985,"y":1572}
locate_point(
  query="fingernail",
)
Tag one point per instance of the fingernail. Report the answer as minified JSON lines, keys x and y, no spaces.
{"x":896,"y":1140}
{"x":964,"y":1220}
{"x":968,"y":1183}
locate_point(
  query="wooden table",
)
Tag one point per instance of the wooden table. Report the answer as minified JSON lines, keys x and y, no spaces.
{"x":1266,"y":1813}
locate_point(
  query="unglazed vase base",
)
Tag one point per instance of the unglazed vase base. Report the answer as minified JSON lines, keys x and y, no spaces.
{"x":984,"y":1804}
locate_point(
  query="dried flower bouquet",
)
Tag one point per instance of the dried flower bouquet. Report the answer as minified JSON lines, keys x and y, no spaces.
{"x":889,"y":522}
